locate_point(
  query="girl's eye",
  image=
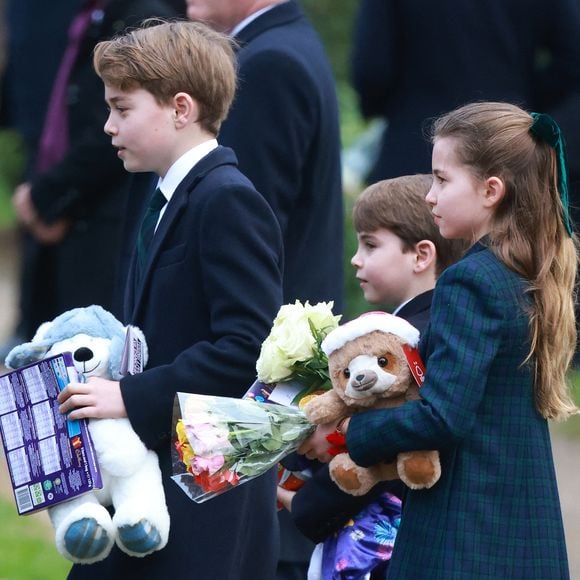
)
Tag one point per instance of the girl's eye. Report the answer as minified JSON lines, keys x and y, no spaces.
{"x":346,"y":373}
{"x":383,"y":361}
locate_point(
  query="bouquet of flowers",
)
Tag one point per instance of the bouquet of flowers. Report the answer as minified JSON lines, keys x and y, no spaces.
{"x":221,"y":442}
{"x":291,"y":360}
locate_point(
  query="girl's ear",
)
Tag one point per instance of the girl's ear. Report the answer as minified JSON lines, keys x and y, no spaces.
{"x":185,"y":110}
{"x":494,"y":191}
{"x":425,"y":255}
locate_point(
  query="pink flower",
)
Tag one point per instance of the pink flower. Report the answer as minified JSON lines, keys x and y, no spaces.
{"x":207,"y":437}
{"x":209,"y":464}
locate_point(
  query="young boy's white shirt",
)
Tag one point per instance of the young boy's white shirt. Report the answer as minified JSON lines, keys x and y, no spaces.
{"x":177,"y":172}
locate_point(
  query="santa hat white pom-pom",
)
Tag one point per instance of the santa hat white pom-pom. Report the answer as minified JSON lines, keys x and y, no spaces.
{"x":365,"y":324}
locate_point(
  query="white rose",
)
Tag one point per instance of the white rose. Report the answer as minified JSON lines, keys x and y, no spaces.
{"x":291,"y":339}
{"x":295,"y":339}
{"x":272,"y":365}
{"x":321,"y":316}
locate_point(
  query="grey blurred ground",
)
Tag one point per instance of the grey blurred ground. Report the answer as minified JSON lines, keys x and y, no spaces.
{"x":566,"y":451}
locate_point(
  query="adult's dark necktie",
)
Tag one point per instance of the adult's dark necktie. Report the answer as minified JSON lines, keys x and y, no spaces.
{"x":54,"y":141}
{"x":145,"y":237}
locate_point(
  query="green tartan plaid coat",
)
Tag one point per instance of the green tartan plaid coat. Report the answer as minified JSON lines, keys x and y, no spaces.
{"x":495,"y":512}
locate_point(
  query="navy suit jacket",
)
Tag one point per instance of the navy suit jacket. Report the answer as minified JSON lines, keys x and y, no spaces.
{"x":320,"y":508}
{"x":210,"y":290}
{"x":284,"y":129}
{"x":495,"y":511}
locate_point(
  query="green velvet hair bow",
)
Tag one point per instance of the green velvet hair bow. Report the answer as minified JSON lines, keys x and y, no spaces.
{"x":545,"y":128}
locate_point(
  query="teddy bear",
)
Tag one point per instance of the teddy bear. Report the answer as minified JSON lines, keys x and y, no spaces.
{"x":84,"y":529}
{"x":369,"y":369}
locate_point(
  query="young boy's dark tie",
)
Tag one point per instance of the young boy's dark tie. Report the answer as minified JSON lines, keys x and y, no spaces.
{"x":158,"y":200}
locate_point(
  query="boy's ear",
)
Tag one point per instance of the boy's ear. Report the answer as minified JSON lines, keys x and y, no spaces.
{"x":185,"y":110}
{"x":425,"y":256}
{"x":494,"y":191}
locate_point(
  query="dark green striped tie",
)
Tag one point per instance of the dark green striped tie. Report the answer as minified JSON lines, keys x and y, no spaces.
{"x":158,"y":200}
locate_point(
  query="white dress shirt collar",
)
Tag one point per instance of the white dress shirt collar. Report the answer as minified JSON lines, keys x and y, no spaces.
{"x":181,"y":168}
{"x":241,"y":25}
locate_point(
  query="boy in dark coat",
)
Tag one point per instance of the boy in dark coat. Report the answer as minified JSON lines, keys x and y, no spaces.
{"x":204,"y":290}
{"x":399,"y":257}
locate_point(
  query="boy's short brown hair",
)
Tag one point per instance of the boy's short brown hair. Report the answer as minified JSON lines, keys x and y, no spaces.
{"x":166,"y":58}
{"x":399,"y":205}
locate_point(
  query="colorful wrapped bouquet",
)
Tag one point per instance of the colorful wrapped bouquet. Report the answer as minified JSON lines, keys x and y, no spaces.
{"x":222,"y":442}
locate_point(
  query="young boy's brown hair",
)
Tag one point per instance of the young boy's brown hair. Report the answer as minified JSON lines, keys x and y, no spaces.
{"x":172,"y":57}
{"x":399,"y":205}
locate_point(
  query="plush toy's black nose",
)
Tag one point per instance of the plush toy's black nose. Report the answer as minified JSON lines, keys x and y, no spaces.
{"x":83,"y":354}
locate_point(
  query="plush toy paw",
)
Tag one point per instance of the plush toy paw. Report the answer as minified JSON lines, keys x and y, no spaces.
{"x":419,"y":469}
{"x":87,"y":541}
{"x":84,"y":532}
{"x":139,"y":539}
{"x":350,"y":477}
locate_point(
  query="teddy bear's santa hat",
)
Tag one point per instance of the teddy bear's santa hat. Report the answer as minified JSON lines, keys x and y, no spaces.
{"x":365,"y":324}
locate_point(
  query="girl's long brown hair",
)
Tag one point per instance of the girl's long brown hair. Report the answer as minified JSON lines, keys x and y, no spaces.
{"x":528,"y":233}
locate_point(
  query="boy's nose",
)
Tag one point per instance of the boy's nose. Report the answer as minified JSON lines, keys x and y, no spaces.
{"x":109,"y":128}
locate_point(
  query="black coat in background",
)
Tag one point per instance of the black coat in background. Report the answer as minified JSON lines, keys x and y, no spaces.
{"x":284,"y":129}
{"x":413,"y":60}
{"x":89,"y":187}
{"x":34,"y":47}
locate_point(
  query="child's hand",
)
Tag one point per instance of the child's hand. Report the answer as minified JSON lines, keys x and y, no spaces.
{"x":97,"y":398}
{"x":285,"y":497}
{"x":317,"y":445}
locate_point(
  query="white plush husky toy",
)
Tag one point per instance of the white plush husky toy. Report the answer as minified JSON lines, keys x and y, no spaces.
{"x":84,"y":530}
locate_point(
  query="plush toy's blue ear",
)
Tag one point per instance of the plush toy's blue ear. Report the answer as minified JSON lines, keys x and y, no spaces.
{"x":25,"y":354}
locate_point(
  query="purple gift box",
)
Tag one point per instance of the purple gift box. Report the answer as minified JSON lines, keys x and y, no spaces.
{"x":50,"y":458}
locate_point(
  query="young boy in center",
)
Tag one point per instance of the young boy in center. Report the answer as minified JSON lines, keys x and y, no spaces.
{"x":399,"y":257}
{"x":204,"y":285}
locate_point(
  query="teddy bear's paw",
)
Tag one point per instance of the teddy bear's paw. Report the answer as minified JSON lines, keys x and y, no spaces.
{"x":419,"y":469}
{"x":86,"y":541}
{"x":349,"y":477}
{"x":139,"y":539}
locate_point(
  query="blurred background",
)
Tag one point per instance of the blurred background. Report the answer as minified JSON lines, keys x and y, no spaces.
{"x":26,"y":545}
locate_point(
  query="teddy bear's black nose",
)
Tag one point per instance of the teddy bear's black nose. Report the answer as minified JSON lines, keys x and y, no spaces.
{"x":83,"y":354}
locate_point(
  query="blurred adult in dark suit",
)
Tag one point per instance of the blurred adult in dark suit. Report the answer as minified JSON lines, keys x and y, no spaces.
{"x":412,"y":61}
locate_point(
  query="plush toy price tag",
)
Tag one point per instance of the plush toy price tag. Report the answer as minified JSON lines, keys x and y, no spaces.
{"x":415,"y":364}
{"x":133,"y":353}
